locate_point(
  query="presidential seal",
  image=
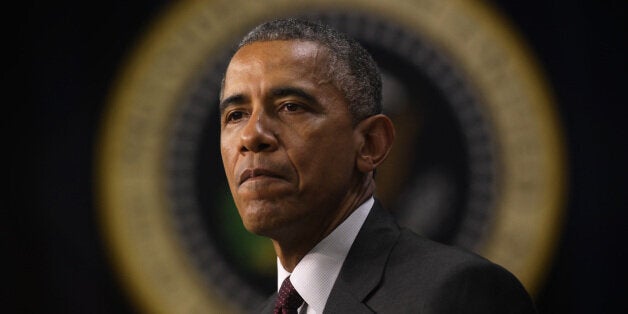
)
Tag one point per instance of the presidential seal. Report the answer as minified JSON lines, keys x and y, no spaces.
{"x":479,"y":160}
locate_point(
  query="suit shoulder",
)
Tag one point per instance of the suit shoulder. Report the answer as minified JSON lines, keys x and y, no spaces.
{"x":438,"y":278}
{"x":417,"y":249}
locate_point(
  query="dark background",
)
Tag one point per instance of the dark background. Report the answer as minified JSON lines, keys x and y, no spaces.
{"x":68,"y":53}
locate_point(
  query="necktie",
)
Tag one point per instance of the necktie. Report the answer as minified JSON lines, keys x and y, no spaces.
{"x":288,"y":299}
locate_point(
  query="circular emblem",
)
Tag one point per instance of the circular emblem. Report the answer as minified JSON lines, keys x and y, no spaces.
{"x":478,"y":160}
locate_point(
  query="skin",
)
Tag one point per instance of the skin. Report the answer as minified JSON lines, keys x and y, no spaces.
{"x":296,"y":164}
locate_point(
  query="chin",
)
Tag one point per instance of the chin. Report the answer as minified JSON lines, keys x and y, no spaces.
{"x":261,"y":228}
{"x":260,"y":220}
{"x":269,"y":218}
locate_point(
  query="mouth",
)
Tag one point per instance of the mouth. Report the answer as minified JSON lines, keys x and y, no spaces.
{"x":256,"y":174}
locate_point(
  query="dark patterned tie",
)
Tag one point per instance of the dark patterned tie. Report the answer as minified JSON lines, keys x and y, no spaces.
{"x":288,"y":299}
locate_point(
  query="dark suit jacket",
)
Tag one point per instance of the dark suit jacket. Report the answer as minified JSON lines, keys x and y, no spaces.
{"x":392,"y":270}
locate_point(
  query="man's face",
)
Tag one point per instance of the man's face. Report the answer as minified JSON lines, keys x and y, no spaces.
{"x":287,"y":141}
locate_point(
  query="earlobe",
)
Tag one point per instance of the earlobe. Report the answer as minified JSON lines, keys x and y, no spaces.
{"x":365,"y":163}
{"x":377,"y":134}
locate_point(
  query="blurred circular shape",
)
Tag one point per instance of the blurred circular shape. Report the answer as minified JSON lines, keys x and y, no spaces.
{"x":478,"y":160}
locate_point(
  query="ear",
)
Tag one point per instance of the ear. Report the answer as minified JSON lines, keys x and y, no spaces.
{"x":375,"y":135}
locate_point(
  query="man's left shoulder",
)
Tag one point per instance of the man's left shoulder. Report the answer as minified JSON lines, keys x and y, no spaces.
{"x":416,"y":256}
{"x":446,"y":279}
{"x":434,"y":256}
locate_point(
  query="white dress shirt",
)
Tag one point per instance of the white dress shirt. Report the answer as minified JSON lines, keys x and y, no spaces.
{"x":315,"y":275}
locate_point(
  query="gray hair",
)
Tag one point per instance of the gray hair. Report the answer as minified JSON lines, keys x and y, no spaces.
{"x":351,"y":67}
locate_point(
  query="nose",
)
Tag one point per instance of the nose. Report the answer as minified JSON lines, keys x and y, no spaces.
{"x":257,"y":135}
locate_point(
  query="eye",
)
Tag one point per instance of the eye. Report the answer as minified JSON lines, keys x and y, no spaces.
{"x":234,"y":116}
{"x":291,"y":107}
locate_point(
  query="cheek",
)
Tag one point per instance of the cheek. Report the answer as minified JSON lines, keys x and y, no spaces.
{"x":229,"y":155}
{"x":329,"y":157}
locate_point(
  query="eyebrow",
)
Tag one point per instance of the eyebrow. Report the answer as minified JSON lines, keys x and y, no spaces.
{"x":281,"y":91}
{"x":231,"y":100}
{"x":284,"y":91}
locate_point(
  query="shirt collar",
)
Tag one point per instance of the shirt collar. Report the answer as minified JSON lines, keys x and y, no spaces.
{"x":315,"y":275}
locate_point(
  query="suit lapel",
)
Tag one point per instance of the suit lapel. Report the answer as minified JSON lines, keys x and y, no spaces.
{"x":364,"y":266}
{"x":268,"y":306}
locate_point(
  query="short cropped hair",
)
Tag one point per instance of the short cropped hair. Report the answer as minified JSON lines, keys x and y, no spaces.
{"x":351,"y":67}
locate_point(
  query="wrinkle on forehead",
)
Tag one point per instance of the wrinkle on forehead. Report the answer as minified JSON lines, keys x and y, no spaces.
{"x":322,"y":62}
{"x":309,"y":58}
{"x":315,"y":56}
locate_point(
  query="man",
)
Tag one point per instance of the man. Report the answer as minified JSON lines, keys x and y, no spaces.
{"x":302,"y":132}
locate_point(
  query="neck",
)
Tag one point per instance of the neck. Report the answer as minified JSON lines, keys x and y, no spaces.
{"x":290,"y":251}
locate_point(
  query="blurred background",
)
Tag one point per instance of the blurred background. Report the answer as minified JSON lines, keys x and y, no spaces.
{"x":71,"y":54}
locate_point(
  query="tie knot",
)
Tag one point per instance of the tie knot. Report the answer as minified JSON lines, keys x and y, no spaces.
{"x":288,"y":299}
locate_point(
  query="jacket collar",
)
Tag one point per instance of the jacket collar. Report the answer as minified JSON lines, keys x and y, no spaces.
{"x":364,"y":266}
{"x":357,"y":278}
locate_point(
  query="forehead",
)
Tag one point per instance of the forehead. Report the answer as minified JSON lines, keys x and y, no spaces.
{"x":273,"y":49}
{"x":288,"y":57}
